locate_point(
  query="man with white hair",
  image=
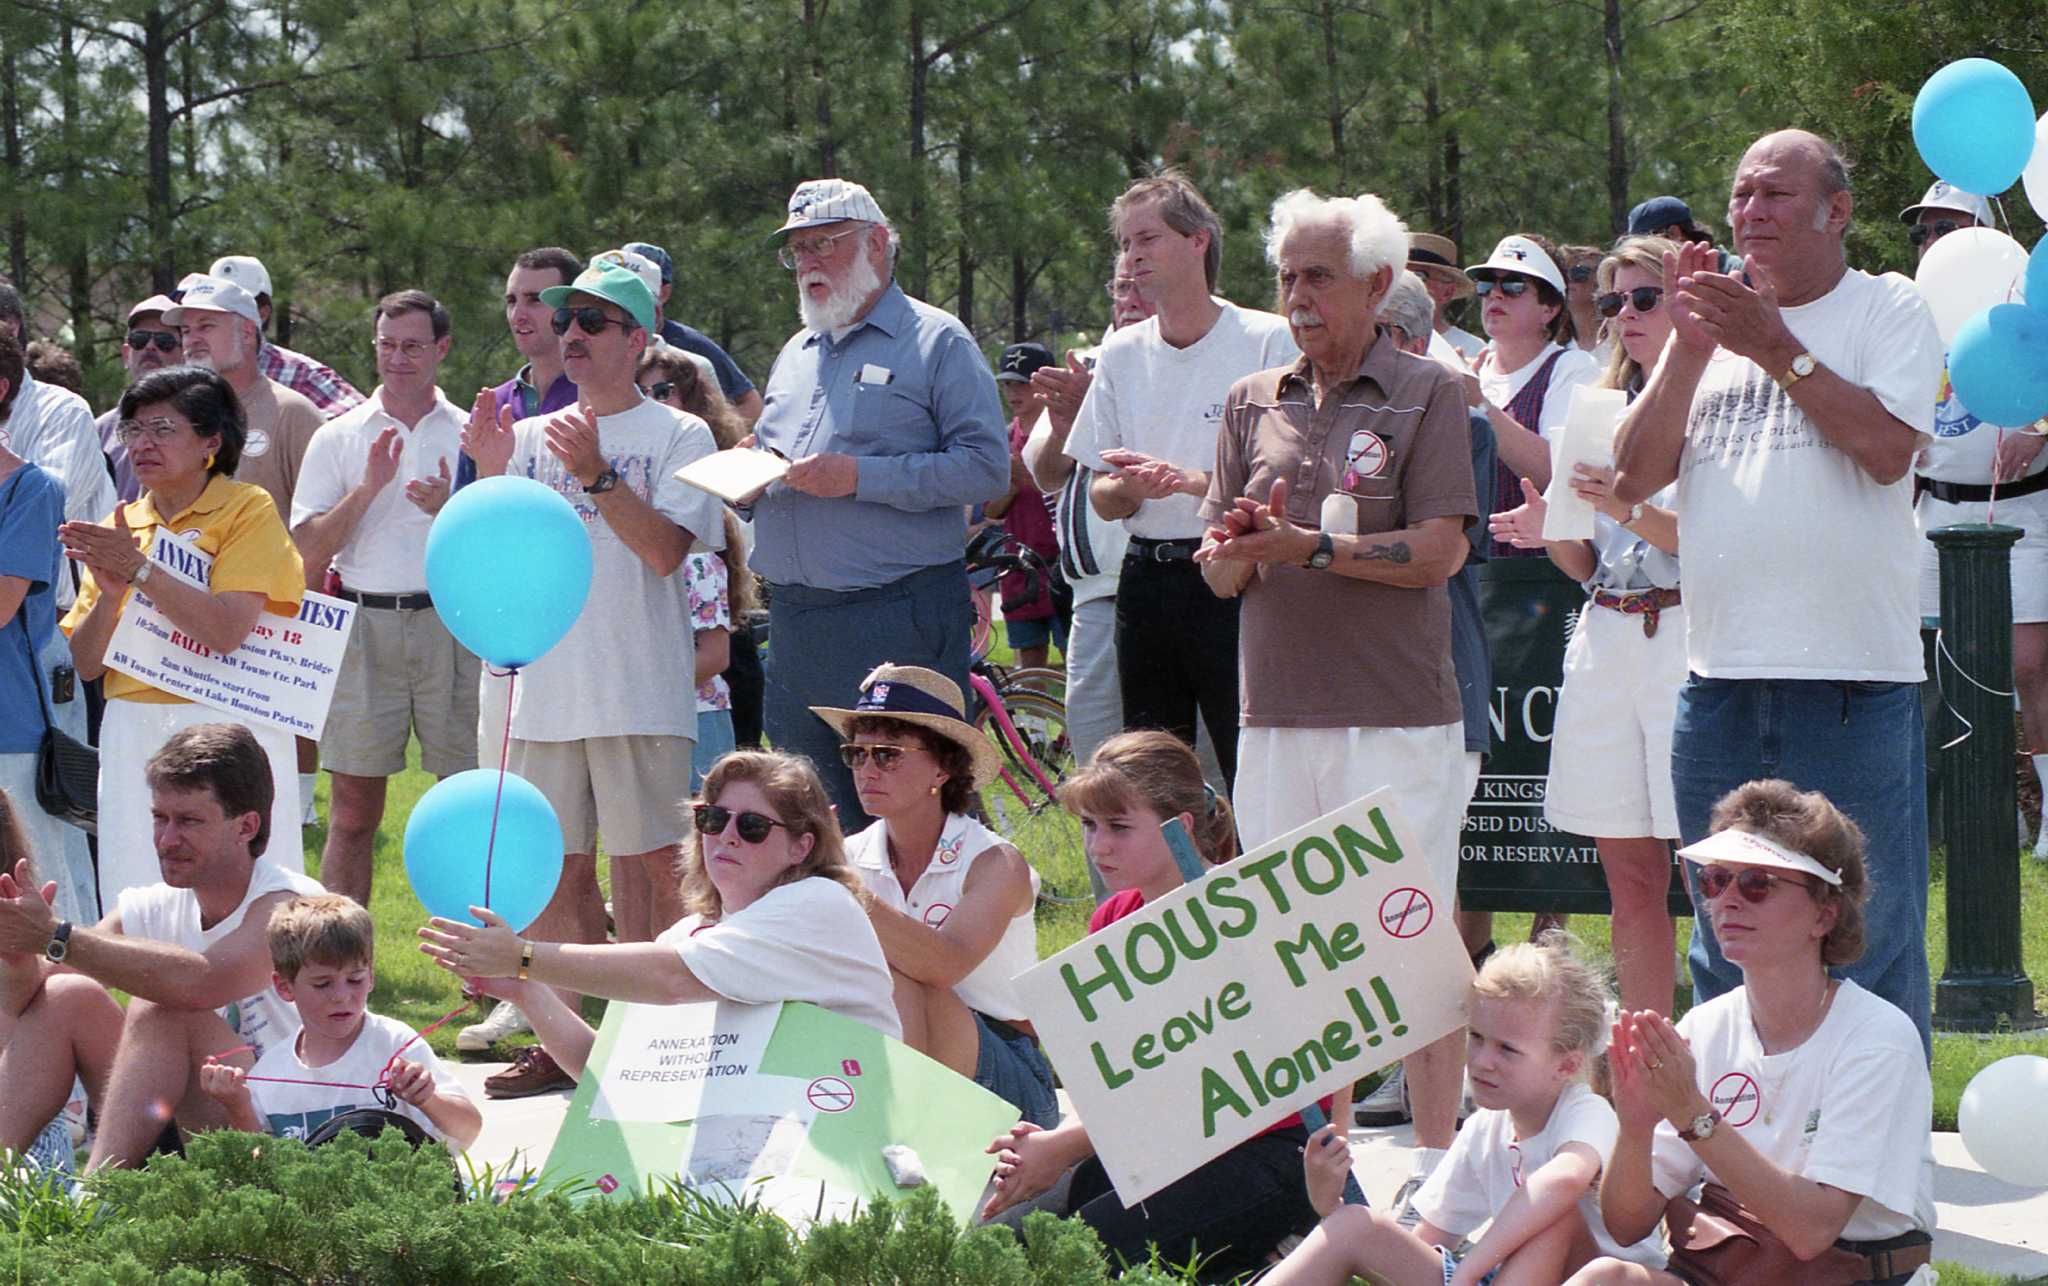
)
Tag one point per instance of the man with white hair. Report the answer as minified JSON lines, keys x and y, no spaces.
{"x":1338,"y":510}
{"x":888,"y":412}
{"x":318,"y":384}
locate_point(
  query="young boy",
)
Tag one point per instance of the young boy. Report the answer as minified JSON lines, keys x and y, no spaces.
{"x":322,"y":948}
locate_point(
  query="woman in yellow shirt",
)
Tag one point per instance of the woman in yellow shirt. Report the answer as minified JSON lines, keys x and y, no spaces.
{"x":184,"y":432}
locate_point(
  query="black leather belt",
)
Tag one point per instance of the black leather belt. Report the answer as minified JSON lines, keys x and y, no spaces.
{"x":419,"y":602}
{"x":1956,"y":493}
{"x":1162,"y":551}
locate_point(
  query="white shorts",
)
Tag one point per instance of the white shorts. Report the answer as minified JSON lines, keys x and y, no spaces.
{"x":1288,"y":777}
{"x":2029,"y":556}
{"x":1610,"y":754}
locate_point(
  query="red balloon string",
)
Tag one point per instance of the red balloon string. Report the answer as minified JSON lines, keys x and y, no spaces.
{"x":382,"y":1086}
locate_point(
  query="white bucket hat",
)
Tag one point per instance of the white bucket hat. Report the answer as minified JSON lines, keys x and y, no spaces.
{"x":1523,"y":257}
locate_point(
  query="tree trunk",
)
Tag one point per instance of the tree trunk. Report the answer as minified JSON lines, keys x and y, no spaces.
{"x":917,"y":244}
{"x":1617,"y":134}
{"x":828,"y":155}
{"x":78,"y":268}
{"x":1432,"y":116}
{"x":156,"y":75}
{"x":1334,"y":81}
{"x":965,"y":310}
{"x":1020,"y":300}
{"x":1454,"y":192}
{"x":17,"y":185}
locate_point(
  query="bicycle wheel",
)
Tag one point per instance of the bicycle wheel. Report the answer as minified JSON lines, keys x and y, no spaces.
{"x":1048,"y":680}
{"x":1020,"y":806}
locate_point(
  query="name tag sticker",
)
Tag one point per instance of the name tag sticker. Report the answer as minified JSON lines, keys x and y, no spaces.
{"x":873,"y":374}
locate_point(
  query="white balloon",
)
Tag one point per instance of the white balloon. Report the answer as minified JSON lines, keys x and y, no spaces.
{"x":2004,"y":1120}
{"x":2035,"y":178}
{"x":1966,"y":272}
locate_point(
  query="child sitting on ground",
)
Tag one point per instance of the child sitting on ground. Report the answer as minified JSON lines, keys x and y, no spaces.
{"x":1529,"y":1160}
{"x":323,"y":950}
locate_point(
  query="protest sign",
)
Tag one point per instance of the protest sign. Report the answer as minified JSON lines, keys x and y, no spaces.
{"x":1215,"y":1012}
{"x":283,"y":674}
{"x":802,"y":1125}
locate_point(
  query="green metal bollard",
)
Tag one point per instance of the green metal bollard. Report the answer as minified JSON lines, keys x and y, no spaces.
{"x":1985,"y":986}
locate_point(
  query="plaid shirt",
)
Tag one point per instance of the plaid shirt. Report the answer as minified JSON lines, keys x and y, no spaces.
{"x":308,"y":378}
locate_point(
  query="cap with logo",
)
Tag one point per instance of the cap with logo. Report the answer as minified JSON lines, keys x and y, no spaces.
{"x":1652,"y":217}
{"x":153,"y":304}
{"x":1946,"y":196}
{"x":1746,"y":848}
{"x":659,"y":257}
{"x":612,"y":282}
{"x":820,"y":201}
{"x":1523,"y":257}
{"x":246,"y":271}
{"x":212,"y":294}
{"x":640,"y":265}
{"x":1437,"y":257}
{"x":1019,"y":360}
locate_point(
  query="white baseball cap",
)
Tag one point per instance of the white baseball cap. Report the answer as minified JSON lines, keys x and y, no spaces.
{"x":648,"y":271}
{"x":1519,"y":255}
{"x":154,"y":304}
{"x":246,"y":271}
{"x":1946,"y":196}
{"x":821,"y":201}
{"x":1746,"y":848}
{"x":212,"y":294}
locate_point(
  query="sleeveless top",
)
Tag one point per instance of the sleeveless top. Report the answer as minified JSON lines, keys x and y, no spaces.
{"x":1526,"y":408}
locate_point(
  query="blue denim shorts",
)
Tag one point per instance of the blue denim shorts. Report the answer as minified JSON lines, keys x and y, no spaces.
{"x":1013,"y":1068}
{"x":1451,"y":1267}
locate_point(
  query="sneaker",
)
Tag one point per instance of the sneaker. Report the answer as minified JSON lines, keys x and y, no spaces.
{"x":1404,"y":1209}
{"x":505,"y":1020}
{"x":535,"y":1072}
{"x":1387,"y":1105}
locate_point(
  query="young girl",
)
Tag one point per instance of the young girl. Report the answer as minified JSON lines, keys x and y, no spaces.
{"x":1529,"y":1160}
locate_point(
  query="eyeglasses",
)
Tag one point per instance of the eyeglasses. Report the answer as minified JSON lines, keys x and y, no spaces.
{"x":1643,"y":299}
{"x":886,"y":757}
{"x":815,"y":248}
{"x":590,"y":317}
{"x":659,"y":392}
{"x":1120,"y":288}
{"x":165,"y":341}
{"x":161,"y":429}
{"x":1512,"y":287}
{"x":1753,"y":882}
{"x":413,"y":349}
{"x":754,"y":827}
{"x":1579,"y":272}
{"x":1922,"y":233}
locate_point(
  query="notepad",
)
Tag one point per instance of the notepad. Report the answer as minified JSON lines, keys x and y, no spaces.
{"x":735,"y":476}
{"x":1587,"y":438}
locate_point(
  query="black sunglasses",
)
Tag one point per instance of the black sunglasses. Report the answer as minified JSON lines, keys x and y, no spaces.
{"x":1753,"y":883}
{"x":754,"y":827}
{"x":1579,"y":272}
{"x":1643,"y":299}
{"x":659,"y":392}
{"x":590,"y":317}
{"x":1922,"y":233}
{"x":856,"y":756}
{"x":164,"y":340}
{"x":1512,"y":287}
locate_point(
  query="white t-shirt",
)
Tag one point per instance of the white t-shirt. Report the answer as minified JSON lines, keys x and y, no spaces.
{"x":937,"y":891}
{"x":1575,"y":368}
{"x":1798,"y":565}
{"x":1167,"y":402}
{"x":1964,"y":448}
{"x":295,"y":1111}
{"x":807,"y":941}
{"x":387,"y":552}
{"x":164,"y":914}
{"x":1487,"y":1165}
{"x":1850,"y":1107}
{"x":52,"y":427}
{"x":628,"y":665}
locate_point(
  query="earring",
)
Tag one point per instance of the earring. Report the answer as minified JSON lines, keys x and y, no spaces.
{"x":209,"y":461}
{"x":935,"y":792}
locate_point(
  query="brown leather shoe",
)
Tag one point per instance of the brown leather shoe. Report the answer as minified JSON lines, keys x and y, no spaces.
{"x":535,"y":1071}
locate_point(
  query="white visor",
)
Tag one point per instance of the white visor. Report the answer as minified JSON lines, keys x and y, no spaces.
{"x":1745,"y":848}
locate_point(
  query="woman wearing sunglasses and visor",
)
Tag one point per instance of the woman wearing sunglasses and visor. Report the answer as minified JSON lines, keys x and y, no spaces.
{"x":1801,"y":1099}
{"x":1610,"y":753}
{"x":952,"y":900}
{"x":771,"y":915}
{"x":1529,"y":367}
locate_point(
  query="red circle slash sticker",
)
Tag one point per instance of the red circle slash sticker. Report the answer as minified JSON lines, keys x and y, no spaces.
{"x":1405,"y":913}
{"x":1736,"y":1097}
{"x":935,"y":914}
{"x":829,"y":1094}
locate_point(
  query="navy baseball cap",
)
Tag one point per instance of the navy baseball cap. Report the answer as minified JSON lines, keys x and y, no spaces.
{"x":1019,"y":360}
{"x":659,"y":257}
{"x":1657,"y":214}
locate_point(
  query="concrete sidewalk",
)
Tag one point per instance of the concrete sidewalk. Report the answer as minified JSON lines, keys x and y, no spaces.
{"x":1983,"y":1223}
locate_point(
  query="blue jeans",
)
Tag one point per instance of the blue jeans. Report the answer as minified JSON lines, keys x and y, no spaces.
{"x":1862,"y":746}
{"x":714,"y":742}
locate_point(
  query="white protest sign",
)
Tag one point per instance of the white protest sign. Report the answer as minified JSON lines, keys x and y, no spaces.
{"x":1587,"y":438}
{"x":283,"y":674}
{"x":680,"y":1062}
{"x":1189,"y":1026}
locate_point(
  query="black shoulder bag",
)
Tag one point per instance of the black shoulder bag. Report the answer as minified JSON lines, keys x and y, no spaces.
{"x":67,"y":770}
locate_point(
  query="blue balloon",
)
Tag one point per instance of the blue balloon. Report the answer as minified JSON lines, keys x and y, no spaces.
{"x":2037,"y":275}
{"x":508,"y":564}
{"x":1974,"y":124}
{"x":1999,"y":364}
{"x":450,"y":830}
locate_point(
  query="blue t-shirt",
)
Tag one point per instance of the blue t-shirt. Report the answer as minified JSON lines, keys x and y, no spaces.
{"x":731,"y":379}
{"x":1468,"y":631}
{"x":31,"y":506}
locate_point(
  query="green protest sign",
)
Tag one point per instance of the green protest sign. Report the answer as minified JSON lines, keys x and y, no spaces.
{"x":795,"y":1105}
{"x":1188,"y":1027}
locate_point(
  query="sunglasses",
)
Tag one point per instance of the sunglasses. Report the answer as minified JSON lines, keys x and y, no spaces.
{"x":1512,"y":287}
{"x":165,"y":341}
{"x":1643,"y":299}
{"x":590,"y":317}
{"x":1579,"y":273}
{"x":754,"y":827}
{"x":1922,"y":233}
{"x":1753,"y":883}
{"x":886,"y":757}
{"x":659,"y":392}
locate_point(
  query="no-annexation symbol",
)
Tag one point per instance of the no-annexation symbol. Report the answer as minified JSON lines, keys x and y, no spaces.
{"x":1405,"y":913}
{"x":1736,"y":1097}
{"x":935,"y":914}
{"x":829,"y":1094}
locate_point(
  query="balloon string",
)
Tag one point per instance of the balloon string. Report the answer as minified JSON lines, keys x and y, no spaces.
{"x":382,"y":1086}
{"x":504,"y":758}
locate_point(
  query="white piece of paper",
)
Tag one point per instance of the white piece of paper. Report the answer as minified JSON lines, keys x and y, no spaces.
{"x":736,"y":475}
{"x":682,"y":1062}
{"x":1587,"y":438}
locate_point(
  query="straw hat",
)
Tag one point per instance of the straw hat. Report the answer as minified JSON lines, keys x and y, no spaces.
{"x":922,"y":697}
{"x":1430,"y":255}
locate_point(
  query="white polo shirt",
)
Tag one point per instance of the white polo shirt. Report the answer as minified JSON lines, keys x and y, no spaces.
{"x":387,"y":552}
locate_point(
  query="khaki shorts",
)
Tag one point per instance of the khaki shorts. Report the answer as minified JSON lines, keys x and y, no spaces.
{"x":633,"y":789}
{"x":403,"y":672}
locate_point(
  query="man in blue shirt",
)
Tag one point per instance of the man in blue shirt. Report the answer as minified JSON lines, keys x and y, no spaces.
{"x":888,"y":412}
{"x":732,"y":381}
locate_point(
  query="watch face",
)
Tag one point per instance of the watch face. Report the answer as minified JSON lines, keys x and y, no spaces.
{"x":1803,"y":364}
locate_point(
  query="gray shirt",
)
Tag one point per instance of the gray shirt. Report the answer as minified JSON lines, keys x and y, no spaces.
{"x":1626,"y":562}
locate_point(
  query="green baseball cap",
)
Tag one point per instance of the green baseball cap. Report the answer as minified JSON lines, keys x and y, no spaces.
{"x":613,"y":283}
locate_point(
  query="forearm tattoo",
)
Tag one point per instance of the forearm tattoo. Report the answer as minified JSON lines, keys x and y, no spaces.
{"x":1397,"y":553}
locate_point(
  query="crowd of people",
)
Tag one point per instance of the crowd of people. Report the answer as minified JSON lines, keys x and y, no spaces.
{"x":1263,"y":531}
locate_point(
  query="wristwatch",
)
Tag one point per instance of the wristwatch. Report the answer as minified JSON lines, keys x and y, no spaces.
{"x":605,"y":482}
{"x":1702,"y":1127}
{"x":1802,"y":366}
{"x":1325,"y":551}
{"x":142,"y":574}
{"x":1635,"y":514}
{"x":60,"y":943}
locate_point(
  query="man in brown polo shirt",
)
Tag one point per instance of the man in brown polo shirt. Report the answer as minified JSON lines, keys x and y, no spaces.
{"x":1338,"y":508}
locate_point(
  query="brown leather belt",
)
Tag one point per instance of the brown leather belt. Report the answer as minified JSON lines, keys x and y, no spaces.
{"x":1645,"y":603}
